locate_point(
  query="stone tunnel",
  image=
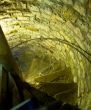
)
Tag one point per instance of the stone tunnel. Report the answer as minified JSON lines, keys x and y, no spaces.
{"x":51,"y":43}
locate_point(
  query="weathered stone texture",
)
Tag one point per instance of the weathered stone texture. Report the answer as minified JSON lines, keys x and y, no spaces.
{"x":65,"y":20}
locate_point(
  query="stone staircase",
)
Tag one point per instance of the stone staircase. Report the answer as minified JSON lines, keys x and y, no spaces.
{"x":55,"y":80}
{"x":61,"y":91}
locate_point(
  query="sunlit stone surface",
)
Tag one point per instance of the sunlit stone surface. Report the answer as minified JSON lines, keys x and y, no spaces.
{"x":44,"y":33}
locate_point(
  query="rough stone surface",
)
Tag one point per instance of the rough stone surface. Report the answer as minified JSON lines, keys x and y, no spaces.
{"x":66,"y":22}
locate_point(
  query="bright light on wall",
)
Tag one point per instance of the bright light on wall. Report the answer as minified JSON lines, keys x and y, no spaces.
{"x":3,"y":25}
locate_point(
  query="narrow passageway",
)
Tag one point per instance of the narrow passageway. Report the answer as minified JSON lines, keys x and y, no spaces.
{"x":50,"y":41}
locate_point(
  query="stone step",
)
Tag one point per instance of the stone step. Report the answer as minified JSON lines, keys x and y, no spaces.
{"x":66,"y":92}
{"x":53,"y":88}
{"x":56,"y":76}
{"x":41,"y":67}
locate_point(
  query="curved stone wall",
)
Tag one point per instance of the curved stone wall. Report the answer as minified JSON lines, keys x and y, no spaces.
{"x":59,"y":29}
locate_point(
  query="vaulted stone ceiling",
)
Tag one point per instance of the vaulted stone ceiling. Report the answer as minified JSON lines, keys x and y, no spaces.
{"x":55,"y":29}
